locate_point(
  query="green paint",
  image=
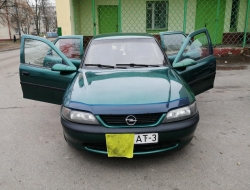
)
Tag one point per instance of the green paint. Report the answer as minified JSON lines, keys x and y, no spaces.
{"x":108,"y":18}
{"x":207,"y":16}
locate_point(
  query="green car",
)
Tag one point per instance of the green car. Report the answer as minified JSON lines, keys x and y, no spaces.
{"x":127,"y":94}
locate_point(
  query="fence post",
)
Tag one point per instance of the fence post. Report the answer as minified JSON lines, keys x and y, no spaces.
{"x":93,"y":17}
{"x":217,"y":21}
{"x":119,"y":16}
{"x":246,"y":23}
{"x":185,"y":16}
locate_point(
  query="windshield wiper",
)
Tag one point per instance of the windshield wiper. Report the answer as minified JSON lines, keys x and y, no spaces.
{"x":137,"y":65}
{"x":105,"y":66}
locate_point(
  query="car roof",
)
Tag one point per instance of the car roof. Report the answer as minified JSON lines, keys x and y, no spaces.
{"x":121,"y":36}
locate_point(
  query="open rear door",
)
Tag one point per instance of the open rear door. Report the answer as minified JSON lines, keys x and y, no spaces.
{"x":198,"y":46}
{"x":71,"y":47}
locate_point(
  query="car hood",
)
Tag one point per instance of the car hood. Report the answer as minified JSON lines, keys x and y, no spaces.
{"x":126,"y":87}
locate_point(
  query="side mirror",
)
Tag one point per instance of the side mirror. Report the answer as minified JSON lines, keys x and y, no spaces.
{"x":61,"y":67}
{"x":184,"y":63}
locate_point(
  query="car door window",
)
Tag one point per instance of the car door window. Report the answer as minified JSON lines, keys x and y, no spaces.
{"x":69,"y":47}
{"x":39,"y":54}
{"x":172,"y":43}
{"x":198,"y":49}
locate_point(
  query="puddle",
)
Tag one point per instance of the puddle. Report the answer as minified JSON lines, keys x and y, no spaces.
{"x":231,"y":67}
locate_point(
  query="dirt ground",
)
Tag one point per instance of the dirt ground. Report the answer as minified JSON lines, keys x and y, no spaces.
{"x":238,"y":62}
{"x":9,"y":45}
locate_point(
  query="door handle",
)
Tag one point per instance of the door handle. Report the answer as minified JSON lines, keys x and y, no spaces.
{"x":25,"y":73}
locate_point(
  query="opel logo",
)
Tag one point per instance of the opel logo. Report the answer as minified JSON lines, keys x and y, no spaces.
{"x":130,"y":120}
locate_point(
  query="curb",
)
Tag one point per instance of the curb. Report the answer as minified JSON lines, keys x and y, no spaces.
{"x":9,"y":49}
{"x":223,"y":52}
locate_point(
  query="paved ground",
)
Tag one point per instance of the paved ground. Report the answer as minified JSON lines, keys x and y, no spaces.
{"x":33,"y":154}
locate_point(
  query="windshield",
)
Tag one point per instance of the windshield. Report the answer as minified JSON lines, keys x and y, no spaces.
{"x":124,"y":51}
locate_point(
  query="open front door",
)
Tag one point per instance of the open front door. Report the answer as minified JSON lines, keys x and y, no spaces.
{"x":171,"y":42}
{"x":45,"y":72}
{"x":198,"y":46}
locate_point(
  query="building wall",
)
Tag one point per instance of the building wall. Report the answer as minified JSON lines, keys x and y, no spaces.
{"x":63,"y":8}
{"x":133,"y":15}
{"x":5,"y":34}
{"x":75,"y":16}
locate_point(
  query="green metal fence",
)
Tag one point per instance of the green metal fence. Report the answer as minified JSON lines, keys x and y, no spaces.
{"x":228,"y":21}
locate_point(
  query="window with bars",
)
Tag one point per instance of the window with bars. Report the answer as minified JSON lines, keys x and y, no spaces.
{"x":156,"y":16}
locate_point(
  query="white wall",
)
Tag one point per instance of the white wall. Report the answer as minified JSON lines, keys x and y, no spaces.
{"x":4,"y":33}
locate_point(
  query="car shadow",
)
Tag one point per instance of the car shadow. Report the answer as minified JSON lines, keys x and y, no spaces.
{"x":137,"y":162}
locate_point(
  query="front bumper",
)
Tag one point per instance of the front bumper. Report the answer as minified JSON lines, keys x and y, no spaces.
{"x":92,"y":137}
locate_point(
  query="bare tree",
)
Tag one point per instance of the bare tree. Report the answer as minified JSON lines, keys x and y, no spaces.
{"x":4,"y":6}
{"x":17,"y":14}
{"x":43,"y":14}
{"x":37,"y":14}
{"x":26,"y":16}
{"x":22,"y":14}
{"x":48,"y":15}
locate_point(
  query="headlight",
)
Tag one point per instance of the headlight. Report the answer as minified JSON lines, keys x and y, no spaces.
{"x":79,"y":116}
{"x":180,"y":113}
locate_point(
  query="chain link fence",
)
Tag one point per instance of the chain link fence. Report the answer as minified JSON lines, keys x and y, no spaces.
{"x":228,"y":21}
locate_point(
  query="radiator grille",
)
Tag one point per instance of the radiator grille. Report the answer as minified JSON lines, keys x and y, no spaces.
{"x":141,"y":119}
